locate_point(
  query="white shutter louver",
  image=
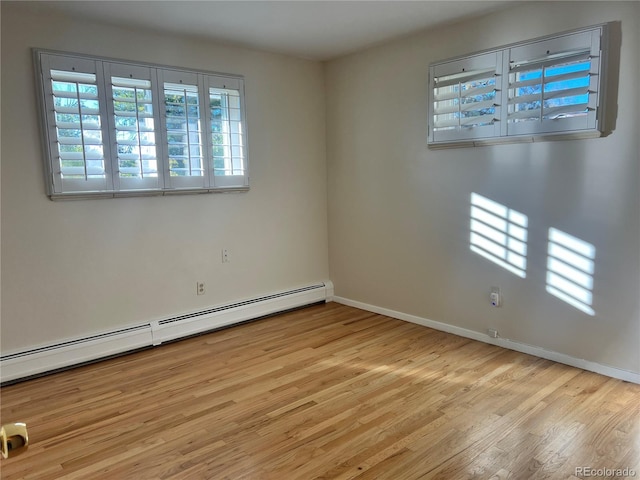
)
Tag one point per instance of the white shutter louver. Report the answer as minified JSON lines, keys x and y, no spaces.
{"x":184,"y":133}
{"x":227,"y":134}
{"x":554,"y":85}
{"x":549,"y":89}
{"x":77,"y":112}
{"x":74,"y":99}
{"x":134,"y":118}
{"x":465,"y":98}
{"x":134,"y":126}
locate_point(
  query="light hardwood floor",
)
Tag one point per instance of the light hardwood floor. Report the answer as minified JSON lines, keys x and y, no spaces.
{"x":327,"y":392}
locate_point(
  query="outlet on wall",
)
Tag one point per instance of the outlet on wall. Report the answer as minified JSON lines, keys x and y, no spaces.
{"x":200,"y":288}
{"x":225,"y":255}
{"x":496,"y":297}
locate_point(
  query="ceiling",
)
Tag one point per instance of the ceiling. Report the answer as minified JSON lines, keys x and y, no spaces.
{"x":318,"y":30}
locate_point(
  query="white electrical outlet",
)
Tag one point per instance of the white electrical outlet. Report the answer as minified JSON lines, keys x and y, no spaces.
{"x":225,"y":255}
{"x":200,"y":288}
{"x":496,"y":297}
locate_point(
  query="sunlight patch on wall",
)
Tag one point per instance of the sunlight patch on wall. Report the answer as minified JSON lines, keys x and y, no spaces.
{"x":570,"y":266}
{"x":499,"y":234}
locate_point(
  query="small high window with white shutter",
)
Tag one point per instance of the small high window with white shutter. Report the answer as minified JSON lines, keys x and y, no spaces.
{"x":116,"y":128}
{"x":541,"y":88}
{"x":553,"y":85}
{"x":466,"y":101}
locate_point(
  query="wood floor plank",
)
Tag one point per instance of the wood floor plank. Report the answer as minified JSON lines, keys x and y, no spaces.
{"x":325,"y":392}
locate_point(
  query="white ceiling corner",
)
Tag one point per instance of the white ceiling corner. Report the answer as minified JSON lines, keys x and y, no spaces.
{"x":318,"y":30}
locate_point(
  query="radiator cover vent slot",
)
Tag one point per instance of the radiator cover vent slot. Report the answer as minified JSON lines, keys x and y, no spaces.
{"x":238,"y":304}
{"x":73,"y":343}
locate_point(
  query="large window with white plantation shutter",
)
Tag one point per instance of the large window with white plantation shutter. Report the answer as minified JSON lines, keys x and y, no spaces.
{"x":540,"y":89}
{"x":116,"y":128}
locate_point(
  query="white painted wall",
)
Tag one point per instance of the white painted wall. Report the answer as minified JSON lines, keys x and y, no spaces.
{"x":74,"y":268}
{"x":399,"y":212}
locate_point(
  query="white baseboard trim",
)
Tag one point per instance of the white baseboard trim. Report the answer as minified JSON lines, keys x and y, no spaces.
{"x":67,"y":353}
{"x":501,"y":342}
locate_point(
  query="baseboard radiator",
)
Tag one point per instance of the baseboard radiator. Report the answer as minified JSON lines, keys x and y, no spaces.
{"x":37,"y":361}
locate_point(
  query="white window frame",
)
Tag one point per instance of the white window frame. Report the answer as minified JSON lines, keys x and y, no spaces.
{"x":112,"y":183}
{"x":591,"y":42}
